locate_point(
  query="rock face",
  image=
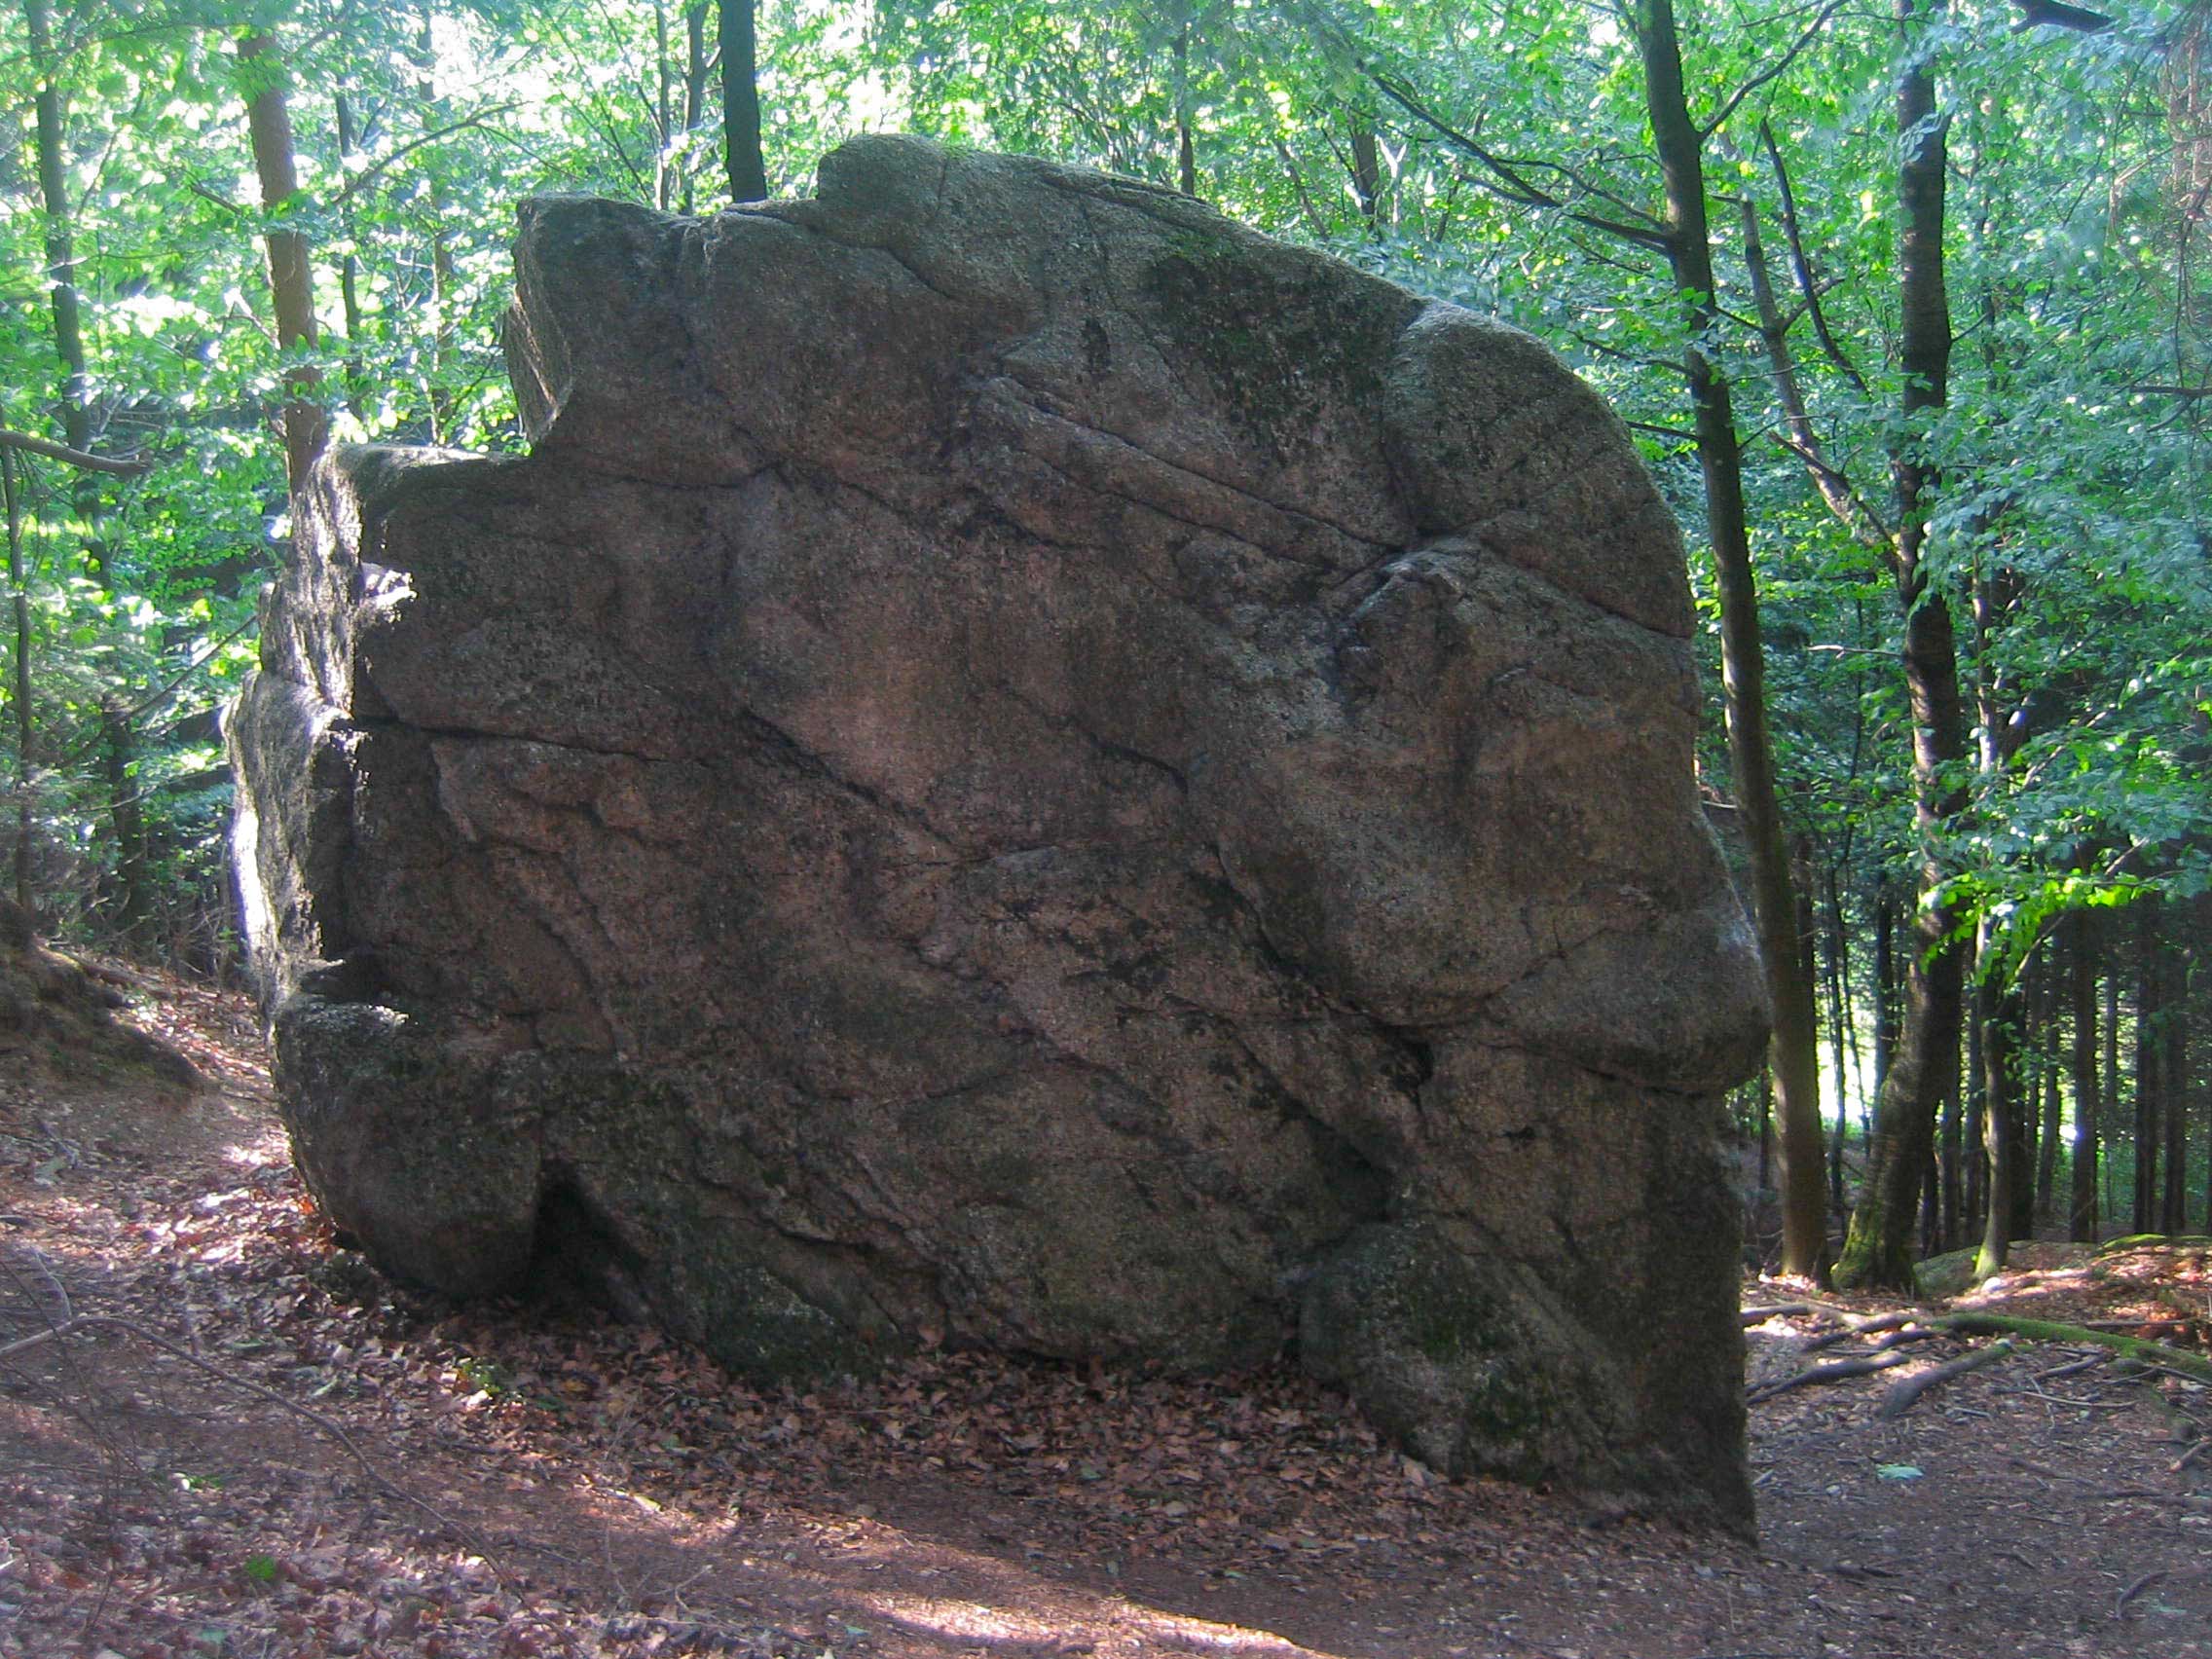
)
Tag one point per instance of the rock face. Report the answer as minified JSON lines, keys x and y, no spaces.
{"x":1022,"y":766}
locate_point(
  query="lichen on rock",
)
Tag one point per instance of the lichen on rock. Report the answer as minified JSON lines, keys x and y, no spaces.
{"x":1022,"y":766}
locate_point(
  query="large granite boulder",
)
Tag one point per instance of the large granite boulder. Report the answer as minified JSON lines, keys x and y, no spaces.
{"x":1022,"y":766}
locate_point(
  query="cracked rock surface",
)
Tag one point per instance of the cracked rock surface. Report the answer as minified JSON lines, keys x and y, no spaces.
{"x":1021,"y":765}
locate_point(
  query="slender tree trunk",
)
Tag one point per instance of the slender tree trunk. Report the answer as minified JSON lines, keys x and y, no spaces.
{"x":1836,"y":948}
{"x":438,"y":398}
{"x":349,"y":271}
{"x":2173,"y":1073}
{"x":124,"y":817}
{"x":1185,"y":144}
{"x":1885,"y":984}
{"x":2002,"y":1111}
{"x":1766,"y":1130}
{"x":2047,"y":1071}
{"x":25,"y":772}
{"x":695,"y":68}
{"x":2111,"y":1031}
{"x":1367,"y":173}
{"x":291,"y":283}
{"x":1932,"y":1212}
{"x":61,"y":238}
{"x":1950,"y":1172}
{"x":1877,"y":1252}
{"x":2082,"y":980}
{"x":741,"y":103}
{"x":664,"y":111}
{"x":1973,"y":1161}
{"x":2150,"y":1092}
{"x":1794,"y":1054}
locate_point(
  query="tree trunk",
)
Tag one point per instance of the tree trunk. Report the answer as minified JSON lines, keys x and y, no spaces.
{"x":290,"y":283}
{"x":1186,"y":145}
{"x":2082,"y":1212}
{"x":1836,"y":948}
{"x":349,"y":271}
{"x":125,"y":820}
{"x":1367,"y":173}
{"x":438,"y":397}
{"x":1794,"y":1054}
{"x":2173,"y":1073}
{"x":1885,"y":984}
{"x":2150,"y":1092}
{"x":2002,"y":1109}
{"x":741,"y":103}
{"x":24,"y":729}
{"x":2111,"y":1033}
{"x":694,"y":83}
{"x":1877,"y":1252}
{"x":664,"y":111}
{"x":1973,"y":1204}
{"x":2048,"y":1068}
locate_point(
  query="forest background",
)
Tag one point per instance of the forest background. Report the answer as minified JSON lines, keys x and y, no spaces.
{"x":1906,"y":303}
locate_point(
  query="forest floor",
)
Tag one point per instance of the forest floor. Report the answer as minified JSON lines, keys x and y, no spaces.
{"x":495,"y":1481}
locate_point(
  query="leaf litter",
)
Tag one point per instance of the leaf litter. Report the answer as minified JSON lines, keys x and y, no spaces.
{"x":567,"y":1487}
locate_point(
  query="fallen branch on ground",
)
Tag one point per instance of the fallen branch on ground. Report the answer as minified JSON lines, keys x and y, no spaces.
{"x":2191,"y":1365}
{"x":1904,"y":1394}
{"x":2153,"y":1242}
{"x":1835,"y":1370}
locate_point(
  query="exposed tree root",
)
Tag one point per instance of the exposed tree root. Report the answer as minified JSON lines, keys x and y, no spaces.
{"x":1905,"y":1393}
{"x":2186,"y":1364}
{"x":1902,"y":1328}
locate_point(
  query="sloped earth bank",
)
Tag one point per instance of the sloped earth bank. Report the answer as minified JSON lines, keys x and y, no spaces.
{"x":533,"y":1481}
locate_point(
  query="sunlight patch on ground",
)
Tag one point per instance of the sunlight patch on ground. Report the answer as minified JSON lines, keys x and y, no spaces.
{"x":973,"y":1621}
{"x":267,"y":1149}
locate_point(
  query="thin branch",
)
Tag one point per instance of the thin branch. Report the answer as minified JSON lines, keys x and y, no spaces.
{"x":1779,"y":67}
{"x":1802,"y":267}
{"x":367,"y":175}
{"x":122,"y":466}
{"x":208,"y":193}
{"x":160,"y":696}
{"x":1313,"y":219}
{"x":1506,"y":180}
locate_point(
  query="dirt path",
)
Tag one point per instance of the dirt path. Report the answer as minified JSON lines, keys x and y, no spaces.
{"x":530,"y":1483}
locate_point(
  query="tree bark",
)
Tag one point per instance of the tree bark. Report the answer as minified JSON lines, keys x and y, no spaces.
{"x":741,"y":103}
{"x":2082,"y":984}
{"x":2047,"y":1026}
{"x":695,"y":68}
{"x":1836,"y":948}
{"x":2150,"y":1090}
{"x":124,"y":817}
{"x":291,"y":285}
{"x":1794,"y":1053}
{"x":438,"y":396}
{"x":24,"y":729}
{"x":1877,"y":1251}
{"x":349,"y":269}
{"x":2173,"y":1072}
{"x":2000,"y":1110}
